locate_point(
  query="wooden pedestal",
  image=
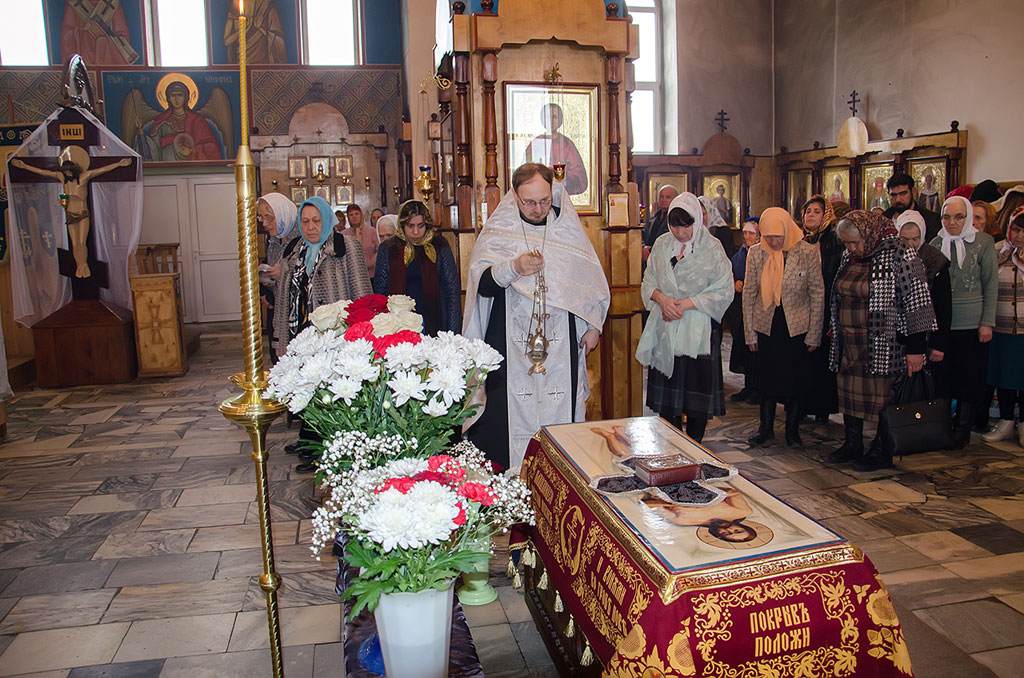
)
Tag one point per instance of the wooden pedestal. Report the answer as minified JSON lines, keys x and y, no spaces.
{"x":159,"y":326}
{"x":85,"y":342}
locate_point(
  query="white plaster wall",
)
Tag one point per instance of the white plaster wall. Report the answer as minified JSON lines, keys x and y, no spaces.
{"x":723,"y":60}
{"x":918,"y":64}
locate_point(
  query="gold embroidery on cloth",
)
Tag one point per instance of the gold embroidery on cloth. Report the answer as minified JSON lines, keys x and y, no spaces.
{"x":887,"y":642}
{"x":713,"y":622}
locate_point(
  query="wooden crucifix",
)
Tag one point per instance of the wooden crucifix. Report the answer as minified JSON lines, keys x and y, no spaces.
{"x":76,"y":171}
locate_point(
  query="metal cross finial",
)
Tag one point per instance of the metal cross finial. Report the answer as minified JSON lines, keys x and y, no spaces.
{"x":853,"y":102}
{"x":721,"y":119}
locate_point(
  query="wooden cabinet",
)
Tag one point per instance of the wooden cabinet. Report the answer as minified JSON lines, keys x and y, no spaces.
{"x":159,"y":324}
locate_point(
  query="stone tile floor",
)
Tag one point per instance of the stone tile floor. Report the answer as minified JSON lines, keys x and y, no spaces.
{"x":129,"y":544}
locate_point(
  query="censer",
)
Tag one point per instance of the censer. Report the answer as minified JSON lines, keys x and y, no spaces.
{"x":537,"y":341}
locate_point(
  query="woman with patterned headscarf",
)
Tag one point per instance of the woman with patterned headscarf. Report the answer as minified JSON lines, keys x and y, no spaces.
{"x":277,"y":216}
{"x":881,"y":314}
{"x":418,"y":262}
{"x":819,"y":222}
{"x":783,"y":303}
{"x":974,"y":280}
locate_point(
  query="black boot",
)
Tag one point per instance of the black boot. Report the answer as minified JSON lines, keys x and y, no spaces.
{"x":964,"y":424}
{"x":878,"y":455}
{"x":793,"y":417}
{"x":853,"y":443}
{"x":695,"y":427}
{"x":766,"y":432}
{"x":740,"y":395}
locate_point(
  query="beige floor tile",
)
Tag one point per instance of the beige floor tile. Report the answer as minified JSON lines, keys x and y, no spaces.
{"x":1016,"y":601}
{"x":1007,"y":662}
{"x":143,"y":544}
{"x":225,"y":494}
{"x":79,"y":646}
{"x":56,"y":610}
{"x":299,"y":626}
{"x":485,"y":615}
{"x":239,"y":537}
{"x":194,"y":516}
{"x":217,"y":596}
{"x":943,"y":546}
{"x":125,"y":501}
{"x":889,"y":491}
{"x":298,"y":663}
{"x":179,"y":637}
{"x":208,"y":449}
{"x":1001,"y":575}
{"x":1007,"y":509}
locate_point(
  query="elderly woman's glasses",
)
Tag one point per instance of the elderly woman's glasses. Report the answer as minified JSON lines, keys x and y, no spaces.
{"x":954,"y":218}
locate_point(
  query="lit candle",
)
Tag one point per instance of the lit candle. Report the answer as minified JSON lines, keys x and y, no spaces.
{"x":242,"y":74}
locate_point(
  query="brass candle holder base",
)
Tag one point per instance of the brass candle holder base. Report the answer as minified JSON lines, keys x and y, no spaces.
{"x":255,"y":414}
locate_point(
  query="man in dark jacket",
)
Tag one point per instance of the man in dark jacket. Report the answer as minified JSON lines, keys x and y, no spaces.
{"x":658,"y":224}
{"x":901,"y":199}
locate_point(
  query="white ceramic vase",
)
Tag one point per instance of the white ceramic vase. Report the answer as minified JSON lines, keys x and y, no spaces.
{"x":415,"y":632}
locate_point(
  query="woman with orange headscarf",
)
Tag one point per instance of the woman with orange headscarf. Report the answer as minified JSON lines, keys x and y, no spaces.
{"x":783,"y":306}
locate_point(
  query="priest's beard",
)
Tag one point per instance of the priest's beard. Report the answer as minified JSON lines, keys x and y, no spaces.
{"x":530,"y":221}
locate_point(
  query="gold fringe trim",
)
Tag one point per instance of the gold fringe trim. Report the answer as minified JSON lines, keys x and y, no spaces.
{"x":528,"y":558}
{"x":517,"y":581}
{"x":588,"y":656}
{"x":510,"y":569}
{"x":570,"y":628}
{"x":559,"y":607}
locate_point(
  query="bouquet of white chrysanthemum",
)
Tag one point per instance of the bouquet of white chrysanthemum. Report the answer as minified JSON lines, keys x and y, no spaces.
{"x":364,"y":366}
{"x":416,"y":523}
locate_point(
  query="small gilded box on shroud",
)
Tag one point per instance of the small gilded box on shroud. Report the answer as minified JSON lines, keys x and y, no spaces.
{"x":667,"y":470}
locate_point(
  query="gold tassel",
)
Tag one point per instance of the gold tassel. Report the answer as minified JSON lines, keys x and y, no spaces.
{"x":559,"y":607}
{"x":528,"y":558}
{"x":510,"y":569}
{"x":543,"y":583}
{"x":570,"y":628}
{"x":517,"y":581}
{"x":588,"y":656}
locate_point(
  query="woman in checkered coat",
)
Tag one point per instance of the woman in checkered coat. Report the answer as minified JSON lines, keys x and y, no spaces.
{"x":881,"y":314}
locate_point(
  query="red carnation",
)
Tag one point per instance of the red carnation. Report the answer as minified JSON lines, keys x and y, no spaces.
{"x":403,"y":485}
{"x":461,"y":518}
{"x":360,"y":330}
{"x":382,"y":344}
{"x":360,"y":315}
{"x":438,"y":460}
{"x":431,"y":475}
{"x":477,"y":492}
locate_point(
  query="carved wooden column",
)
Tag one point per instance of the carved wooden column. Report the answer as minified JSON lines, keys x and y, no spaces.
{"x":492,"y":194}
{"x":817,"y":170}
{"x":614,"y":72}
{"x":953,"y":168}
{"x":463,"y":165}
{"x":784,"y":185}
{"x":855,"y":184}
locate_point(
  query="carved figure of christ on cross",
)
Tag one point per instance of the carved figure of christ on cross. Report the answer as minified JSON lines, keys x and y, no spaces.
{"x":75,"y":179}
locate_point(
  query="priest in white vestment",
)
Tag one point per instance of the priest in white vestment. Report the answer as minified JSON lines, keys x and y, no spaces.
{"x":536,"y":216}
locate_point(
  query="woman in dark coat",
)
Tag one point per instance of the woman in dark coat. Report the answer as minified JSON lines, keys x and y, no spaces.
{"x":418,"y":262}
{"x":819,"y":224}
{"x":881,"y":315}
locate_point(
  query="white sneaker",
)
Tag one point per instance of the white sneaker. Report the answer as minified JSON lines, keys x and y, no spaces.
{"x":1002,"y":431}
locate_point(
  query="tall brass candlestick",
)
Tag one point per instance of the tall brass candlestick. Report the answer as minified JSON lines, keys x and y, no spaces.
{"x":251,"y":410}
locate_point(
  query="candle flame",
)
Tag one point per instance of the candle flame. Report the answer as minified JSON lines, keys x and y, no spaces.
{"x":241,"y":7}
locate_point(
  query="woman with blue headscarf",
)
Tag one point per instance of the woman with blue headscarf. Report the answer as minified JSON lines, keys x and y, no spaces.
{"x":276,"y":216}
{"x":321,"y":267}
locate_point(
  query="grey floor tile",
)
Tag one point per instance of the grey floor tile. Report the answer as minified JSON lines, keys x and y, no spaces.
{"x":145,"y":669}
{"x":164,"y":569}
{"x":59,"y":578}
{"x":977,"y":626}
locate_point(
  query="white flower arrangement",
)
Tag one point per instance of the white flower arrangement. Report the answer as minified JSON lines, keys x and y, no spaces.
{"x":413,"y":521}
{"x":364,"y":366}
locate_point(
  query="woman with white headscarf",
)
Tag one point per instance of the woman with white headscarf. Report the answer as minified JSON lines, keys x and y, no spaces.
{"x":689,"y":279}
{"x":911,"y":227}
{"x":974,"y":281}
{"x":277,"y":216}
{"x":386,"y":226}
{"x":717,"y":225}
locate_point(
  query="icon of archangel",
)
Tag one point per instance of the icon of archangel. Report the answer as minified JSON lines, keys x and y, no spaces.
{"x":179,"y":132}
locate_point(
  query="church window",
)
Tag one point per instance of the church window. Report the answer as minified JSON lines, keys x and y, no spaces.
{"x":645,"y":106}
{"x":331,"y":32}
{"x":22,"y":40}
{"x":180,"y":28}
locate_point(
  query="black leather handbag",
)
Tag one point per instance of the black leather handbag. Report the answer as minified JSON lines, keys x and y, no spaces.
{"x":915,"y":420}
